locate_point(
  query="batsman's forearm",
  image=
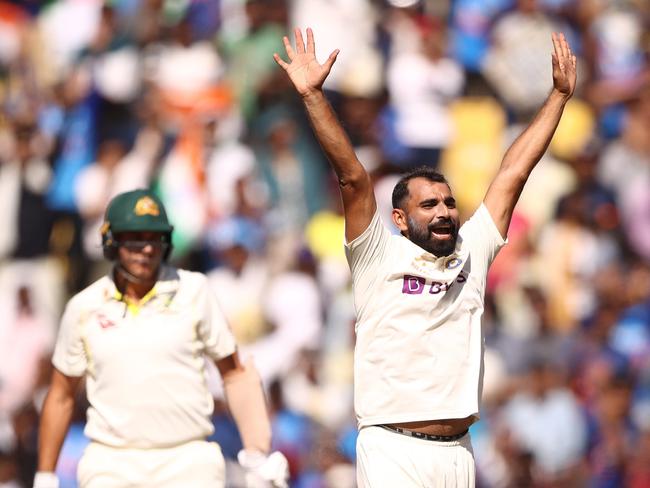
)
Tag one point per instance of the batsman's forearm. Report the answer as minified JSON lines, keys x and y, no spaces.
{"x":332,"y":138}
{"x":54,"y":424}
{"x":529,"y":147}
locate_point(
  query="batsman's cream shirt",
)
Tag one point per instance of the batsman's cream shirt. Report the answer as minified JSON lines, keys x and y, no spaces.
{"x":144,"y":365}
{"x":419,"y":347}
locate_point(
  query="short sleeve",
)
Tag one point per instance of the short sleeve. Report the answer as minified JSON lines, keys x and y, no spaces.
{"x":368,"y":250}
{"x":214,"y":331}
{"x":482,"y":234}
{"x":69,"y":353}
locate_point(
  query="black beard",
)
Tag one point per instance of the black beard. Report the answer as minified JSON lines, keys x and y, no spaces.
{"x":422,"y":237}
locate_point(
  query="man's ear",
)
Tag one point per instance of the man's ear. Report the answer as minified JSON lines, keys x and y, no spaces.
{"x":400,"y":219}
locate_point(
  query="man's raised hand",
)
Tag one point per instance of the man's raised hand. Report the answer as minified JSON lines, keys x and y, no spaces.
{"x":564,"y":66}
{"x":306,"y":74}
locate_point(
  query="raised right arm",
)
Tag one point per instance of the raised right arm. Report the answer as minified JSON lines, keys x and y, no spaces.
{"x":307,"y":76}
{"x":55,"y":419}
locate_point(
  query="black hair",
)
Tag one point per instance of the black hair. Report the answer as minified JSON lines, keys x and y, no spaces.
{"x":401,"y":191}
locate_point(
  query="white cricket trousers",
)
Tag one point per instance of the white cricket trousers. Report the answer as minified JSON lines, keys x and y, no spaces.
{"x":197,"y":464}
{"x":388,"y":459}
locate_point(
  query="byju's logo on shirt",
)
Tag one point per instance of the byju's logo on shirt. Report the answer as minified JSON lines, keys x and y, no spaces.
{"x":415,"y":285}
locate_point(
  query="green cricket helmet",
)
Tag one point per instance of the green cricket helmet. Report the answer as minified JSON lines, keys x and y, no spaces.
{"x":134,"y":211}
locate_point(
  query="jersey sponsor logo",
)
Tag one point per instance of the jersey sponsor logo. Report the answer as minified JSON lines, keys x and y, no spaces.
{"x":146,"y":206}
{"x":415,"y":285}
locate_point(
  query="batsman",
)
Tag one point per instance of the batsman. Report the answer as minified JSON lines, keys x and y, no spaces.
{"x":140,"y":337}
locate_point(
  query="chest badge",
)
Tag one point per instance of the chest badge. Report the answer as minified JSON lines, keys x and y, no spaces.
{"x":104,"y":322}
{"x":453,"y":262}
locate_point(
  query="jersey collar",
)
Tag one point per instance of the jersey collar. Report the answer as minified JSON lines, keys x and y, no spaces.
{"x":459,"y":255}
{"x":166,"y":286}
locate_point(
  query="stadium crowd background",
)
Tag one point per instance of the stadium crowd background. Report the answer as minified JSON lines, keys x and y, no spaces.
{"x":184,"y":96}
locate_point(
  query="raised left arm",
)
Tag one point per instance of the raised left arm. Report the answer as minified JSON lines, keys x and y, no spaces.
{"x":529,"y":147}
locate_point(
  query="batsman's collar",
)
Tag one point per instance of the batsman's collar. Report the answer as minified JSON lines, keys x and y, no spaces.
{"x":167,"y":284}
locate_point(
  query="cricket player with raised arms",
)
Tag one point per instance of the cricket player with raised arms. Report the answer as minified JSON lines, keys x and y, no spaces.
{"x":140,"y":336}
{"x":419,"y":296}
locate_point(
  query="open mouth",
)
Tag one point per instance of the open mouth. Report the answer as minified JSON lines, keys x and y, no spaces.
{"x":442,"y":231}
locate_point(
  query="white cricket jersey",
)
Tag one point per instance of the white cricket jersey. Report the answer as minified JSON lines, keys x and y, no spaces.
{"x":144,"y":366}
{"x":419,"y":347}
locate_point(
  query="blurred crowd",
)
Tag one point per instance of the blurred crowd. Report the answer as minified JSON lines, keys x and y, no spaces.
{"x":183,"y":96}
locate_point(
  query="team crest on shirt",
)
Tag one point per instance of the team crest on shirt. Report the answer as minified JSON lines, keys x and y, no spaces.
{"x":146,"y":206}
{"x":427,"y":262}
{"x":104,"y":322}
{"x":453,"y":262}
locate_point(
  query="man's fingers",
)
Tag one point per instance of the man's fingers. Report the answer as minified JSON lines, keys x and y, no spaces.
{"x":558,"y":65}
{"x":311,"y":45}
{"x":566,"y":51}
{"x":556,"y":44}
{"x":571,"y":58}
{"x":562,"y":54}
{"x":562,"y":49}
{"x":300,"y":43}
{"x":557,"y":47}
{"x":330,"y":60}
{"x":280,"y":61}
{"x":288,"y":48}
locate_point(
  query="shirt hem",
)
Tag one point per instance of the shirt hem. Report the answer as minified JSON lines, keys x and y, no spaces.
{"x":146,"y":445}
{"x":414,"y":417}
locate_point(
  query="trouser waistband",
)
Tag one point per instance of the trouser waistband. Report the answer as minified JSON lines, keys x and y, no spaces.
{"x":426,"y":437}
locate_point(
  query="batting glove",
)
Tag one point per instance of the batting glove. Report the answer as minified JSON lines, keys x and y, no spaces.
{"x":45,"y":479}
{"x":264,"y":471}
